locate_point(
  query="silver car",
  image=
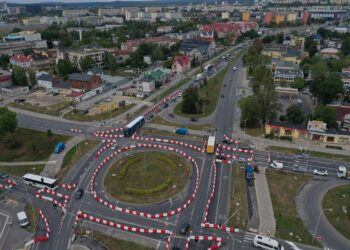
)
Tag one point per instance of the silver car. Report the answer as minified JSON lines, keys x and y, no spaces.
{"x":320,"y":172}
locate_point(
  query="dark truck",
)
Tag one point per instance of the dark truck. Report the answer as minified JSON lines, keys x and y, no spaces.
{"x":249,"y":174}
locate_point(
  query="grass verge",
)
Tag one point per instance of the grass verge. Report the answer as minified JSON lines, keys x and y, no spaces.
{"x":283,"y":190}
{"x":147,"y":177}
{"x":111,"y":243}
{"x":160,"y":120}
{"x":76,"y":116}
{"x":312,"y":153}
{"x":22,"y":169}
{"x":28,"y":145}
{"x":74,"y":154}
{"x":336,"y":207}
{"x":210,"y":92}
{"x":238,"y":199}
{"x":256,"y":132}
{"x":33,"y":218}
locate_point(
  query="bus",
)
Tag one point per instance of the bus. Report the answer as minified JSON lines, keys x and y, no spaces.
{"x":133,"y":126}
{"x":266,"y":243}
{"x":39,"y":181}
{"x":211,"y":144}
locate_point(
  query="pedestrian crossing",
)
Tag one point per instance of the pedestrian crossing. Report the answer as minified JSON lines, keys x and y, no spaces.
{"x":248,"y":237}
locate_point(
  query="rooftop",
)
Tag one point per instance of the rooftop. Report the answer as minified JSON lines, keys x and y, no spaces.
{"x":80,"y":77}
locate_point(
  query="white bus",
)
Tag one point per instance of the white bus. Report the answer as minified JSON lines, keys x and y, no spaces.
{"x":266,"y":243}
{"x":39,"y":181}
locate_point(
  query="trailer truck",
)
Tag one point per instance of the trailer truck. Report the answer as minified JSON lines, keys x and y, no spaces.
{"x":343,"y":172}
{"x":211,"y":144}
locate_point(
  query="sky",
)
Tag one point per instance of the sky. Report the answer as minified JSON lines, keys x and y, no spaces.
{"x":62,"y":1}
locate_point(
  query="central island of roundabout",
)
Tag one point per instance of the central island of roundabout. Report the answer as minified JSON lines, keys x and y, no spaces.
{"x":147,"y":176}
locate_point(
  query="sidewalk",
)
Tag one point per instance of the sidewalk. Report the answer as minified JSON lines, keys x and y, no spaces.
{"x":54,"y":164}
{"x":26,"y":163}
{"x":266,"y":215}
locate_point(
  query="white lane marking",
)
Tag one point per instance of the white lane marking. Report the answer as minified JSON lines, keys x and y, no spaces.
{"x":3,"y":229}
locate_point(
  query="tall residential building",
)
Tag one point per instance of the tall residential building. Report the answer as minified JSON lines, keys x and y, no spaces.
{"x":109,"y":12}
{"x":17,"y":42}
{"x":268,"y":18}
{"x":76,"y":12}
{"x":225,"y":15}
{"x":246,"y":16}
{"x":279,"y":19}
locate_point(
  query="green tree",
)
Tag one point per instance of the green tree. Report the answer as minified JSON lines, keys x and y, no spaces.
{"x":157,"y":54}
{"x":328,"y":89}
{"x":111,"y":63}
{"x":298,"y":83}
{"x":86,"y":63}
{"x":326,"y":114}
{"x":190,"y":100}
{"x":167,"y":64}
{"x":49,"y":133}
{"x":295,"y":114}
{"x":280,"y":38}
{"x":312,"y":49}
{"x":65,"y":67}
{"x":4,"y":61}
{"x":19,"y":76}
{"x":8,"y":121}
{"x":251,"y":112}
{"x":345,"y":46}
{"x":31,"y":77}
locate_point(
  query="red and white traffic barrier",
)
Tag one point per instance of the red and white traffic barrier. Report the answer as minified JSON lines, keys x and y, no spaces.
{"x":81,"y":215}
{"x":219,"y":227}
{"x":241,"y":150}
{"x":231,"y":140}
{"x":114,"y":130}
{"x":180,"y":143}
{"x":219,"y":241}
{"x":61,"y":205}
{"x":11,"y":184}
{"x":135,"y":212}
{"x":69,"y":186}
{"x":157,"y":105}
{"x":104,"y":148}
{"x":75,"y":130}
{"x":106,"y":135}
{"x":47,"y":227}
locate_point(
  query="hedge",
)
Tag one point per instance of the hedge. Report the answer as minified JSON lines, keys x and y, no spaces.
{"x":286,"y":138}
{"x":153,"y":190}
{"x":124,"y":170}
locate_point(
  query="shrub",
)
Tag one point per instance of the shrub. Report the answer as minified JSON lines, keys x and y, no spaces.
{"x":49,"y":133}
{"x":124,"y":170}
{"x":282,"y":118}
{"x":13,"y":142}
{"x":286,"y":138}
{"x":269,"y":136}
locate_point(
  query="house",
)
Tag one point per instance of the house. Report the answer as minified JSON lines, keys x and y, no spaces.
{"x":329,"y":52}
{"x":342,"y":113}
{"x":5,"y":79}
{"x":279,"y":129}
{"x":199,"y":48}
{"x":297,"y":42}
{"x":333,"y":43}
{"x":234,"y":28}
{"x":21,"y":61}
{"x":318,"y":132}
{"x":84,"y":86}
{"x":121,"y":55}
{"x":181,"y":64}
{"x":287,"y":75}
{"x":45,"y":81}
{"x":158,"y":75}
{"x":61,"y":86}
{"x":345,"y":77}
{"x":282,"y":52}
{"x":164,"y":29}
{"x":145,"y":86}
{"x":132,"y":45}
{"x":40,"y":62}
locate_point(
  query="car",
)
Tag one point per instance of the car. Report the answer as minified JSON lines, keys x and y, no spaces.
{"x":225,"y":141}
{"x":4,"y":175}
{"x":303,"y":156}
{"x":224,"y":85}
{"x":185,"y":228}
{"x":171,"y":115}
{"x":176,"y":248}
{"x":276,"y":165}
{"x":165,"y":105}
{"x":194,"y":119}
{"x":222,"y":96}
{"x":320,"y":172}
{"x":114,"y":146}
{"x":221,"y":157}
{"x":79,"y":193}
{"x":300,"y":169}
{"x":241,"y":159}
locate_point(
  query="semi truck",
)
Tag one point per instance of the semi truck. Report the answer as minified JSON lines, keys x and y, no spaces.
{"x":343,"y":172}
{"x":59,"y":147}
{"x":211,"y":144}
{"x":133,"y":126}
{"x":181,"y":131}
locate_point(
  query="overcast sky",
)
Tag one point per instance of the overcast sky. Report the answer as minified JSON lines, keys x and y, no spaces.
{"x":62,"y":1}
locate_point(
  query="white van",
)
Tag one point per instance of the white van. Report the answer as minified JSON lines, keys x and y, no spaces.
{"x":22,"y":219}
{"x":266,"y":243}
{"x":276,"y":165}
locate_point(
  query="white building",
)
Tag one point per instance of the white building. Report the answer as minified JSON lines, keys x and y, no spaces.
{"x":145,"y":86}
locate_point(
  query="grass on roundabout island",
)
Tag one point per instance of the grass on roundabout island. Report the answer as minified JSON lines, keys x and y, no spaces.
{"x":147,"y":177}
{"x":336,"y":207}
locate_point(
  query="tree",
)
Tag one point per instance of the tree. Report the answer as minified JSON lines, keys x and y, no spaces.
{"x":190,"y":100}
{"x":329,"y":88}
{"x":64,"y":68}
{"x":49,"y":133}
{"x":86,"y":63}
{"x":8,"y":121}
{"x":326,"y":114}
{"x":157,"y":54}
{"x":111,"y":63}
{"x":168,"y":64}
{"x":295,"y":114}
{"x":313,"y":49}
{"x":4,"y":61}
{"x":345,"y":46}
{"x":195,"y":62}
{"x":31,"y":77}
{"x":251,"y":111}
{"x":19,"y":76}
{"x":298,"y":83}
{"x":280,"y":38}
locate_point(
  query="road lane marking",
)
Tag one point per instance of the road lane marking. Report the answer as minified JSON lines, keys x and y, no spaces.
{"x":3,"y":229}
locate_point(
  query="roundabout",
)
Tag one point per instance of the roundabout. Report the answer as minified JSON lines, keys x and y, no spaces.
{"x":147,"y":177}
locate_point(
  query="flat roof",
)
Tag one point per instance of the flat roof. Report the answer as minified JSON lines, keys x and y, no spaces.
{"x":39,"y":178}
{"x":211,"y":140}
{"x":133,"y":122}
